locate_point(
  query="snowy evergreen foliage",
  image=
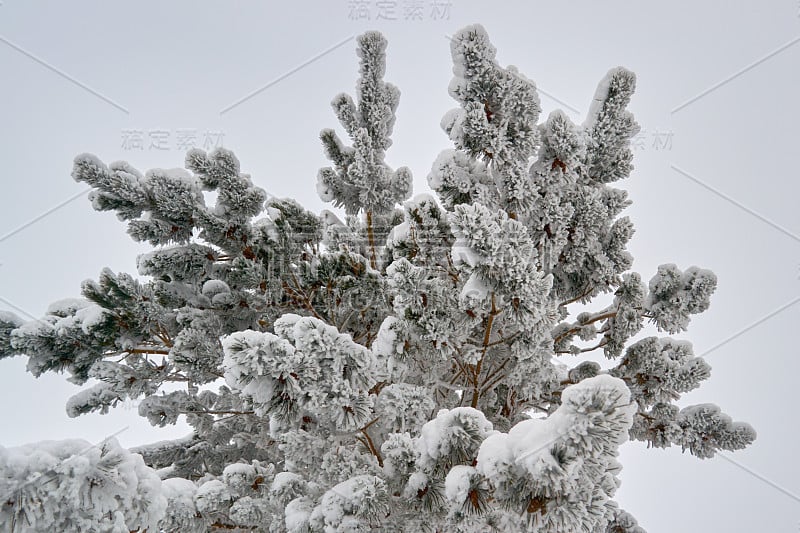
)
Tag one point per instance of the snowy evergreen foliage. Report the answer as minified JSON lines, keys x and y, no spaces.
{"x":74,"y":486}
{"x":411,"y":368}
{"x":360,"y":180}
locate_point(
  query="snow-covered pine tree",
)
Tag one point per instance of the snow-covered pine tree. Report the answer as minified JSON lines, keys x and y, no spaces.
{"x":413,"y":369}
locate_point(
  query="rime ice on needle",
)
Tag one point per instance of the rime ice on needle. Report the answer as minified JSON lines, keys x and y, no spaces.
{"x":408,"y":367}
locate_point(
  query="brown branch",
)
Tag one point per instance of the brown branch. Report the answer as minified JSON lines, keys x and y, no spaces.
{"x":576,"y":329}
{"x":584,"y":350}
{"x":451,"y":271}
{"x":462,"y":369}
{"x":508,"y":404}
{"x":217,"y":412}
{"x":373,"y":259}
{"x":371,"y":445}
{"x":456,"y":376}
{"x":504,"y":340}
{"x":487,"y":384}
{"x":221,"y":525}
{"x":370,"y":336}
{"x":579,"y":297}
{"x":300,"y":296}
{"x":340,"y":326}
{"x":368,"y":424}
{"x":486,"y":337}
{"x":165,"y":336}
{"x":148,"y":350}
{"x":358,"y":336}
{"x":495,"y":371}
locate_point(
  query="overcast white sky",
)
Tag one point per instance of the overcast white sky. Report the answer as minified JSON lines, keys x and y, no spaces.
{"x":715,"y":185}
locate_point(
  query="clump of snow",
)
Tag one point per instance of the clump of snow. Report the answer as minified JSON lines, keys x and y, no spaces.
{"x":418,"y":200}
{"x":66,"y":306}
{"x":286,"y":483}
{"x":213,"y":287}
{"x":181,"y":511}
{"x":457,"y":483}
{"x":72,"y":485}
{"x":600,"y":96}
{"x":178,"y":489}
{"x":398,"y":234}
{"x":100,"y":394}
{"x":297,"y":514}
{"x":474,"y":289}
{"x":361,"y":496}
{"x":463,"y":253}
{"x":90,"y":317}
{"x":385,"y":343}
{"x":267,"y":227}
{"x":212,"y":497}
{"x":584,"y":419}
{"x":440,"y":436}
{"x":284,"y":326}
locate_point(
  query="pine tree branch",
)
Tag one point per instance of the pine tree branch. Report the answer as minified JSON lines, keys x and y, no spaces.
{"x":371,"y":445}
{"x":147,"y":351}
{"x":462,"y":368}
{"x":373,"y":259}
{"x":451,"y":271}
{"x":579,"y":297}
{"x":496,"y":372}
{"x":370,"y":335}
{"x":344,"y":321}
{"x":301,"y":297}
{"x":455,"y":377}
{"x":584,"y":350}
{"x":368,"y":424}
{"x":486,"y":338}
{"x":364,"y":442}
{"x":220,"y":525}
{"x":163,"y":335}
{"x":212,"y":412}
{"x":504,"y":340}
{"x":575,"y":329}
{"x":488,"y":384}
{"x":176,"y":376}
